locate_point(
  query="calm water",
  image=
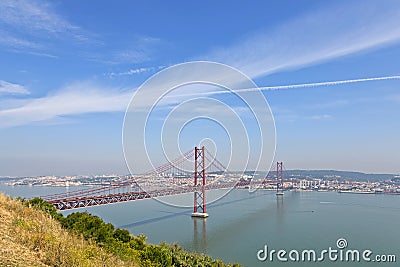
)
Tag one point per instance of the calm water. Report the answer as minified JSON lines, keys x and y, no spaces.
{"x":240,"y":224}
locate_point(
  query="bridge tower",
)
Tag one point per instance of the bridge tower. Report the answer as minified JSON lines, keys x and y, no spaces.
{"x":279,"y":178}
{"x":199,"y":207}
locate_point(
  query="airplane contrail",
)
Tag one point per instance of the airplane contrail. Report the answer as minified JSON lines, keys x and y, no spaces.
{"x":292,"y":86}
{"x":318,"y":84}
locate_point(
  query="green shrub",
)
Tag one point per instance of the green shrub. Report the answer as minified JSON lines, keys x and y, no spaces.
{"x":122,"y":244}
{"x":122,"y":235}
{"x":90,"y":227}
{"x":43,"y":205}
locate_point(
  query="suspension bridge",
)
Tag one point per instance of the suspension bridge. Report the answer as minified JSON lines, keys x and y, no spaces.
{"x":165,"y":181}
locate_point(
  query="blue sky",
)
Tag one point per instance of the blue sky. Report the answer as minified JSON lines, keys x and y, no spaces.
{"x":69,"y":69}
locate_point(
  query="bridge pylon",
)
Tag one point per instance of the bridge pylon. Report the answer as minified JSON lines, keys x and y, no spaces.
{"x":199,"y":205}
{"x":279,"y":178}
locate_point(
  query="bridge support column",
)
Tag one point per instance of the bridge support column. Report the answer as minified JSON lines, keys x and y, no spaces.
{"x":199,"y":205}
{"x":279,"y":178}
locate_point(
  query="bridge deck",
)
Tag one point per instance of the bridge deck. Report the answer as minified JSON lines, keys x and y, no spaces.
{"x":74,"y":201}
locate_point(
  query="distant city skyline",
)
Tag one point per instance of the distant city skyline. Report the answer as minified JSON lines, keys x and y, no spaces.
{"x":69,"y":70}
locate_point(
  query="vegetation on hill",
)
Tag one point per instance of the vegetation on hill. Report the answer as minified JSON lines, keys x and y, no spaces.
{"x":30,"y":237}
{"x":33,"y":233}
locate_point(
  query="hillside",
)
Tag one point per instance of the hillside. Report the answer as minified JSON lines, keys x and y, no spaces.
{"x":34,"y":234}
{"x":30,"y":237}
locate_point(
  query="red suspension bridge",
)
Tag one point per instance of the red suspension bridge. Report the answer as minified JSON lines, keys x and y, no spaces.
{"x":165,"y":181}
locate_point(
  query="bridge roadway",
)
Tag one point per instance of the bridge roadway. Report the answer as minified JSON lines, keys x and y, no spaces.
{"x":75,"y":202}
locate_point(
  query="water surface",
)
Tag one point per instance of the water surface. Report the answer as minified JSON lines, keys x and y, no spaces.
{"x":241,"y":223}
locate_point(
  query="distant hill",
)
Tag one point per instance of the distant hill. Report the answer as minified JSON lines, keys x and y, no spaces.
{"x":349,"y":175}
{"x":357,"y":176}
{"x":326,"y":174}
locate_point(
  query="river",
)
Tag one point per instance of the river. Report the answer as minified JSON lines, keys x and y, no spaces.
{"x":242,"y":223}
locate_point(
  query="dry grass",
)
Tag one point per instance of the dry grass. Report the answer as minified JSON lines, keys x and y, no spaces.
{"x":29,"y":237}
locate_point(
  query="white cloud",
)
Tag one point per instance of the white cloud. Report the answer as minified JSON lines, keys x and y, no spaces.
{"x":140,"y":49}
{"x":12,"y":88}
{"x":33,"y":16}
{"x":77,"y":98}
{"x":136,"y":55}
{"x":7,"y":39}
{"x":321,"y":117}
{"x":136,"y":50}
{"x":31,"y":26}
{"x":74,"y":99}
{"x":131,"y":71}
{"x":322,"y":35}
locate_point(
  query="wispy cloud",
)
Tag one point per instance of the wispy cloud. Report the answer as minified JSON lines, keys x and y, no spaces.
{"x":381,"y":99}
{"x":84,"y":97}
{"x":77,"y":98}
{"x":88,"y":97}
{"x":320,"y":36}
{"x":12,"y":88}
{"x":9,"y":40}
{"x":25,"y":26}
{"x":321,"y":117}
{"x":140,"y":49}
{"x":135,"y":50}
{"x":34,"y":17}
{"x":332,"y":32}
{"x":293,"y":115}
{"x":134,"y":71}
{"x":133,"y":56}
